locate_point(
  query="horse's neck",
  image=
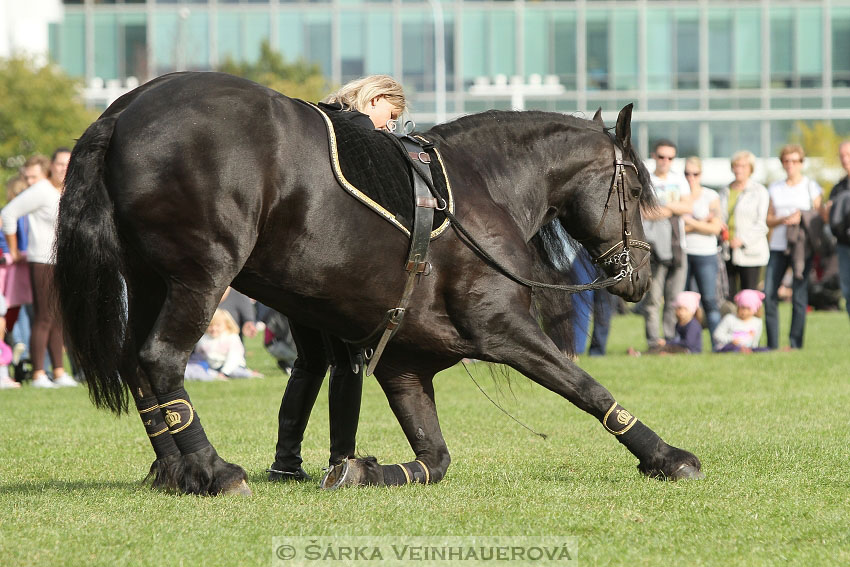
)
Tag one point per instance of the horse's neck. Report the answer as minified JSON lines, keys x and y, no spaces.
{"x":522,"y":162}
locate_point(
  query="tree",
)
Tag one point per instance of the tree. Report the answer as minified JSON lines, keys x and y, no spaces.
{"x":41,"y":109}
{"x":298,"y":80}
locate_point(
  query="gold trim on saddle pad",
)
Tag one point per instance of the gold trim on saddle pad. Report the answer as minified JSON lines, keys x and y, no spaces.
{"x":365,"y":199}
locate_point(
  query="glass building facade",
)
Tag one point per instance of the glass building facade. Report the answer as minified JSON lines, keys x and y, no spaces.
{"x":714,"y":76}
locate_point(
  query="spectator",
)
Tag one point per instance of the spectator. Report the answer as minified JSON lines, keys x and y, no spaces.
{"x":789,"y":200}
{"x":241,"y":308}
{"x":741,"y":331}
{"x":15,"y":282}
{"x":219,"y":353}
{"x":838,"y":210}
{"x":6,"y":381}
{"x":665,"y":233}
{"x":41,"y":202}
{"x":747,"y":225}
{"x":688,"y":338}
{"x":702,"y":227}
{"x":598,"y":303}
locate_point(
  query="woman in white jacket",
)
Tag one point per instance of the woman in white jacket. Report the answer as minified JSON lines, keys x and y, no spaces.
{"x":748,"y":204}
{"x":41,"y":202}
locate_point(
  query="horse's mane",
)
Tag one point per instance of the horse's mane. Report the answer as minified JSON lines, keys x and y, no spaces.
{"x":554,"y":251}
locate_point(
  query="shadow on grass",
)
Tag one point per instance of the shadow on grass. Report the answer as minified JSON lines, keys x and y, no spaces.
{"x":60,"y":486}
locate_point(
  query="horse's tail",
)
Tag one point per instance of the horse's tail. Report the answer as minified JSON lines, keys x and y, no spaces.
{"x":89,"y":262}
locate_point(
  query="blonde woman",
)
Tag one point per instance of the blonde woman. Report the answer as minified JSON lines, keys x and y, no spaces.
{"x":702,"y":226}
{"x":748,"y":204}
{"x":375,"y":101}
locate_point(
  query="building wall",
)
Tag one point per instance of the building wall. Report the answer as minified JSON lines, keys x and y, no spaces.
{"x":713,"y":76}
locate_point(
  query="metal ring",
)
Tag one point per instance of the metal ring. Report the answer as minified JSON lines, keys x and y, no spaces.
{"x":443,"y":201}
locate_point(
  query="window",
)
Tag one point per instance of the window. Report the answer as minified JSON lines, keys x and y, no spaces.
{"x":840,"y":44}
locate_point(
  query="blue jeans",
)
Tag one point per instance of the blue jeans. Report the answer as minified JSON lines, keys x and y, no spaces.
{"x":704,"y":270}
{"x":843,"y":253}
{"x":600,"y":303}
{"x":776,"y":267}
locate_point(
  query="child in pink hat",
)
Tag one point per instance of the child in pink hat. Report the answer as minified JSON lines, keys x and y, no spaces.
{"x":741,"y":331}
{"x":688,"y":337}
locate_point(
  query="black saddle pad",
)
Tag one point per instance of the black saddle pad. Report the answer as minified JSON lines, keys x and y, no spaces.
{"x":374,"y":168}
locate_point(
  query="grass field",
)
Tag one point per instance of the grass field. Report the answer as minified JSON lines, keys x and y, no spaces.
{"x":771,"y":431}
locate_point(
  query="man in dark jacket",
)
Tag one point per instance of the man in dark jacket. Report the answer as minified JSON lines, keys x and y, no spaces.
{"x":839,"y":222}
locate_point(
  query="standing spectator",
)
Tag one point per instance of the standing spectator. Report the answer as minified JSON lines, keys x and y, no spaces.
{"x":665,"y":233}
{"x":839,"y":222}
{"x":15,"y":282}
{"x":747,"y":225}
{"x":702,"y":227}
{"x":598,"y":303}
{"x":41,"y":202}
{"x":788,"y":200}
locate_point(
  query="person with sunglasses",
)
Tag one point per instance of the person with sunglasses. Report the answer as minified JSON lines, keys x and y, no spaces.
{"x":702,"y":226}
{"x":789,"y":198}
{"x":665,"y":233}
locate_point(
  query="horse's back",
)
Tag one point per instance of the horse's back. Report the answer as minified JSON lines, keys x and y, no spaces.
{"x":195,"y":164}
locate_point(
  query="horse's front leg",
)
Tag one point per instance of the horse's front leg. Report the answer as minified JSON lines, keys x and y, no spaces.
{"x":411,"y":397}
{"x":533,"y":354}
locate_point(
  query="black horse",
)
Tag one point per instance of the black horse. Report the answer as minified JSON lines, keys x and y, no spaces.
{"x":196,"y":180}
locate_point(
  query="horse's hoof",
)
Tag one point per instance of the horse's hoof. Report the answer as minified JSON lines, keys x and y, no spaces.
{"x":350,"y":472}
{"x":687,"y":472}
{"x":238,"y":488}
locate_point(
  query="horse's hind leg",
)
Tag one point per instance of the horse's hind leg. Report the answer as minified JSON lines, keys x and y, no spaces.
{"x":411,"y":397}
{"x":163,"y":357}
{"x":142,"y":312}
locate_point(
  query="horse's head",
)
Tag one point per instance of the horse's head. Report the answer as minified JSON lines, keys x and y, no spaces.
{"x":605,"y":213}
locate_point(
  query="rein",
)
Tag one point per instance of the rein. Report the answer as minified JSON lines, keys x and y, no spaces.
{"x":618,"y":255}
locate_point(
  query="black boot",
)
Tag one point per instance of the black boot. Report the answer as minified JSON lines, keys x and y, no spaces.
{"x":295,"y":408}
{"x":344,"y":392}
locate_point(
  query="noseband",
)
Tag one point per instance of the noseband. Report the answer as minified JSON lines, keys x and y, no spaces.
{"x":619,"y":255}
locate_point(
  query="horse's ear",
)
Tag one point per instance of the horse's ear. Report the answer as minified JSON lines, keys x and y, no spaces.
{"x":598,"y":116}
{"x":624,"y":125}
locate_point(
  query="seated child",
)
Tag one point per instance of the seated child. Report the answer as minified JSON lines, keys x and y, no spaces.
{"x":220,"y":353}
{"x":741,"y":332}
{"x":688,"y":337}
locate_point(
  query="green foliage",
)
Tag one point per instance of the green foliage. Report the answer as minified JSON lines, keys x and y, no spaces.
{"x":819,"y":139}
{"x":297,"y":80}
{"x":767,"y":427}
{"x":40,"y":109}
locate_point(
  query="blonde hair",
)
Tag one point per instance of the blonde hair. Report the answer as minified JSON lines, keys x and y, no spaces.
{"x":226,"y":319}
{"x":15,"y":186}
{"x":694,"y":160}
{"x":747,"y":156}
{"x":792,"y":149}
{"x":358,"y":93}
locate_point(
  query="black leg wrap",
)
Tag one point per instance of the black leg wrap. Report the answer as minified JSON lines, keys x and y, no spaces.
{"x":183,"y":422}
{"x":406,"y":473}
{"x":640,"y":440}
{"x":152,"y":418}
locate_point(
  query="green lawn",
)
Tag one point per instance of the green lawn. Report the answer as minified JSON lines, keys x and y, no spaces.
{"x":771,"y":431}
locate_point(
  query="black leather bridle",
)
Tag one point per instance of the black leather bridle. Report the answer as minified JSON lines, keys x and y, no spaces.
{"x":619,"y":255}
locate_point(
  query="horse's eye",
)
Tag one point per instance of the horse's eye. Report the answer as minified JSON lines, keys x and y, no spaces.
{"x":636,"y":192}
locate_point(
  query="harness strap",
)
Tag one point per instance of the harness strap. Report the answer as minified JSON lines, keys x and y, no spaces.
{"x":420,"y":238}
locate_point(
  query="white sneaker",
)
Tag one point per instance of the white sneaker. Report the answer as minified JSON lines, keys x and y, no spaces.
{"x":64,"y":381}
{"x":43,"y":382}
{"x":7,"y":383}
